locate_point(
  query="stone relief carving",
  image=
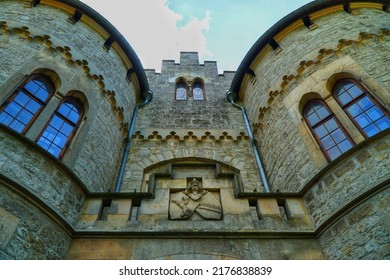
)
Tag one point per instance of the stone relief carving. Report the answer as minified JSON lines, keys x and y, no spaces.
{"x":195,"y":199}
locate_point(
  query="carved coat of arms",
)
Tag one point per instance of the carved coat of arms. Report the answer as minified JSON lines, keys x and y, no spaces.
{"x":195,"y":199}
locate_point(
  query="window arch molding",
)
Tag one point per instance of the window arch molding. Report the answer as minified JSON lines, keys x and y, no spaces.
{"x":198,"y":91}
{"x":181,"y":89}
{"x":26,"y":102}
{"x":365,"y":111}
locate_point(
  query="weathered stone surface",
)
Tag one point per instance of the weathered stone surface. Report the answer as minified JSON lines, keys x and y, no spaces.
{"x":100,"y":132}
{"x":304,"y":216}
{"x":35,"y":235}
{"x":28,"y":168}
{"x":352,"y":180}
{"x":361,"y":234}
{"x":290,"y":250}
{"x":8,"y":224}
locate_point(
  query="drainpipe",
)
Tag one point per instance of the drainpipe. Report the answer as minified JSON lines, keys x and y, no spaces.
{"x":149,"y":97}
{"x":255,"y":150}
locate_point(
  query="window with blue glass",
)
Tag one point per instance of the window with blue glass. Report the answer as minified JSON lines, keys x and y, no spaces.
{"x":58,"y":133}
{"x":328,"y":132}
{"x":20,"y":111}
{"x":361,"y":107}
{"x":181,"y":90}
{"x":198,"y":91}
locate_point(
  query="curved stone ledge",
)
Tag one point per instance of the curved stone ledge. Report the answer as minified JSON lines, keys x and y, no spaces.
{"x":363,"y":168}
{"x":28,"y":165}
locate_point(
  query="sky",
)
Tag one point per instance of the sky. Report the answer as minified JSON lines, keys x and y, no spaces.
{"x":219,"y":30}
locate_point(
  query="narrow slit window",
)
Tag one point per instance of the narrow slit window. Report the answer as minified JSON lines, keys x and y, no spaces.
{"x":20,"y":111}
{"x":61,"y":127}
{"x":361,"y":107}
{"x":328,"y":132}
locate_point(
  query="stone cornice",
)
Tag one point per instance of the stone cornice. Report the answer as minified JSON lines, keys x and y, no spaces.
{"x":190,"y":137}
{"x":300,"y":17}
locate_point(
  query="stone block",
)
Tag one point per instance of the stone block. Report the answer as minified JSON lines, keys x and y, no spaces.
{"x":8,"y":224}
{"x":86,"y":221}
{"x":232,"y":205}
{"x":268,"y":207}
{"x":118,"y":220}
{"x":157,"y":206}
{"x":120,"y":207}
{"x":173,"y":183}
{"x":290,"y":249}
{"x":220,"y":183}
{"x":296,"y":207}
{"x":91,"y":206}
{"x":103,"y":249}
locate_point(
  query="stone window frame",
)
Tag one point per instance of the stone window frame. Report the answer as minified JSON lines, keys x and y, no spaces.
{"x":181,"y":81}
{"x":201,"y":83}
{"x":364,"y":93}
{"x":189,"y":85}
{"x":312,"y":128}
{"x":76,"y":125}
{"x":21,"y":89}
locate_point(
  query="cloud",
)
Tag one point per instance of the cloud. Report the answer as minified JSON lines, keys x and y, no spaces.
{"x":152,"y":29}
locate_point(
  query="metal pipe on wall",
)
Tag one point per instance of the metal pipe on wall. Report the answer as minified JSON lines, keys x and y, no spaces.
{"x":255,"y":149}
{"x":149,"y":97}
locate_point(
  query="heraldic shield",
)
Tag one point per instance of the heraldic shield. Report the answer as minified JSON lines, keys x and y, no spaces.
{"x":195,"y":199}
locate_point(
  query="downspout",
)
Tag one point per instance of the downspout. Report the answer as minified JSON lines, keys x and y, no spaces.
{"x":252,"y":139}
{"x":149,"y":97}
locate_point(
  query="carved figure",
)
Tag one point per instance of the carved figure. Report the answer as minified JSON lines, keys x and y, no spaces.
{"x":195,"y":199}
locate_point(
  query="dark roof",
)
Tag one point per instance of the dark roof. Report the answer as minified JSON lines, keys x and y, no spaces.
{"x":268,"y":36}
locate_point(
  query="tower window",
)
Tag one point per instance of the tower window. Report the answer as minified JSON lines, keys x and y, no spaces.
{"x":361,"y":107}
{"x":197,"y":91}
{"x":57,"y":134}
{"x":181,"y":90}
{"x":20,"y":111}
{"x":328,"y":132}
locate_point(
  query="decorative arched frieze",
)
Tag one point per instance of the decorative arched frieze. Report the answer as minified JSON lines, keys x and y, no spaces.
{"x":307,"y":67}
{"x":81,"y":64}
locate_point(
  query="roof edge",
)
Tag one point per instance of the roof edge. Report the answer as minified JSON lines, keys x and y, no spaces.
{"x":118,"y":37}
{"x":305,"y":10}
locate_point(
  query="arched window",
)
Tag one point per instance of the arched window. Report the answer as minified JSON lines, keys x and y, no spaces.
{"x":181,"y":90}
{"x":198,"y":91}
{"x":361,"y":107}
{"x":22,"y":108}
{"x":328,"y":132}
{"x":61,"y":127}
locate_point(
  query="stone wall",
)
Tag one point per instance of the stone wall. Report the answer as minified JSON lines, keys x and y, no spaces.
{"x":169,"y":129}
{"x":286,"y":159}
{"x":371,"y":162}
{"x":164,"y":112}
{"x":26,"y":164}
{"x":362,"y":234}
{"x":191,"y":249}
{"x":27,"y":233}
{"x":29,"y":43}
{"x":235,"y":152}
{"x":303,"y":65}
